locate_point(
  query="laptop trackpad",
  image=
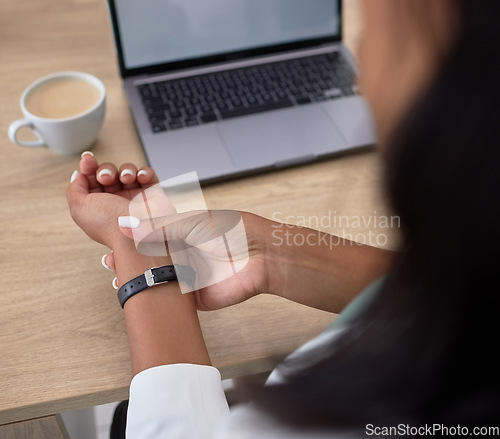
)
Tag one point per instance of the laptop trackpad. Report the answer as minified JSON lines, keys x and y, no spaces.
{"x":354,"y":119}
{"x":279,"y":136}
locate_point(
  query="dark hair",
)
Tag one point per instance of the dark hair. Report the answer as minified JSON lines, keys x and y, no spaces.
{"x":424,"y":350}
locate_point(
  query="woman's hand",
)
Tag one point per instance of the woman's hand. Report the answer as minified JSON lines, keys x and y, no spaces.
{"x":99,"y":194}
{"x":226,"y":248}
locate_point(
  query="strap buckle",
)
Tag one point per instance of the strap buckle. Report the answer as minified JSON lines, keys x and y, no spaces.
{"x":150,"y":277}
{"x":184,"y":273}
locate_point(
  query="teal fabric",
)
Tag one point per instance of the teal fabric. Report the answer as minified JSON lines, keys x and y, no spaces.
{"x":357,"y":305}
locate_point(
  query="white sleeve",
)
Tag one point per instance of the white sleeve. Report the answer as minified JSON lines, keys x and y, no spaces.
{"x":176,"y":401}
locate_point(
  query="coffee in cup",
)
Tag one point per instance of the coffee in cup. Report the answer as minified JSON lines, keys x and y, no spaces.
{"x":65,"y":111}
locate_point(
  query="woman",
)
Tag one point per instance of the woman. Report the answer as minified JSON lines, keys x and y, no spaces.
{"x":414,"y":349}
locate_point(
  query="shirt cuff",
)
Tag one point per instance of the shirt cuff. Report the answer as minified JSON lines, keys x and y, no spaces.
{"x":176,"y":401}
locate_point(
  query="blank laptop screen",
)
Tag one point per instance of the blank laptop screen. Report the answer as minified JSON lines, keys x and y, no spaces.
{"x":161,"y":31}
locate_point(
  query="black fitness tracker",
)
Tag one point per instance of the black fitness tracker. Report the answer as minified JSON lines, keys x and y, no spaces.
{"x":155,"y":276}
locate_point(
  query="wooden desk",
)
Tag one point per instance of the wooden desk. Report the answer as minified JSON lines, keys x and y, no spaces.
{"x":62,"y":337}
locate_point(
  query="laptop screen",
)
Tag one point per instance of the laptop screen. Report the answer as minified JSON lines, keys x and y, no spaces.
{"x":158,"y":32}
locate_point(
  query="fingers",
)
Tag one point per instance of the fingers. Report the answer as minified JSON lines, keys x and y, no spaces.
{"x":128,"y":176}
{"x":108,"y":262}
{"x":171,"y":226}
{"x":147,"y":177}
{"x":199,"y":229}
{"x":108,"y":178}
{"x":132,"y":178}
{"x":99,"y":177}
{"x":77,"y":191}
{"x":88,"y":167}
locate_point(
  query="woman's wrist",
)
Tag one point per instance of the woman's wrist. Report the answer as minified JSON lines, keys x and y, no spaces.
{"x":129,"y":263}
{"x":275,"y":256}
{"x":265,"y":240}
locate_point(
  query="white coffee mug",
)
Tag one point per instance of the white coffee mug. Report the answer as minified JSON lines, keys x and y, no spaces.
{"x":65,"y":110}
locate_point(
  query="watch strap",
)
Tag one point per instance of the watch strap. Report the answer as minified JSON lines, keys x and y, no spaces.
{"x":156,"y":276}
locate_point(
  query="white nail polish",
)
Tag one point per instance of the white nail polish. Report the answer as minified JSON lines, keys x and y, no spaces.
{"x":84,"y":153}
{"x":130,"y":222}
{"x":142,"y":172}
{"x":73,"y":176}
{"x":105,"y":172}
{"x":126,"y":172}
{"x":103,"y":262}
{"x":115,"y":283}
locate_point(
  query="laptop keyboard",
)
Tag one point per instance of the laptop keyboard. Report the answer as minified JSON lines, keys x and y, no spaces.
{"x":195,"y":100}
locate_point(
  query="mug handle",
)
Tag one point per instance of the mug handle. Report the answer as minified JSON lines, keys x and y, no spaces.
{"x":16,"y":126}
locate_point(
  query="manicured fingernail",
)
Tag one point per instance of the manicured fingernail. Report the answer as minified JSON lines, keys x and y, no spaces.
{"x":115,"y":283}
{"x":73,"y":176}
{"x":105,"y":172}
{"x":130,"y":222}
{"x":103,"y":262}
{"x":142,"y":172}
{"x":126,"y":172}
{"x":84,"y":153}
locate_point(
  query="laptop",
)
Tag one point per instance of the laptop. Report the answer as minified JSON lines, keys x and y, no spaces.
{"x":232,"y":87}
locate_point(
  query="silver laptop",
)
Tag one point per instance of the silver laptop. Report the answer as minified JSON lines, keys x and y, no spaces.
{"x":231,"y":87}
